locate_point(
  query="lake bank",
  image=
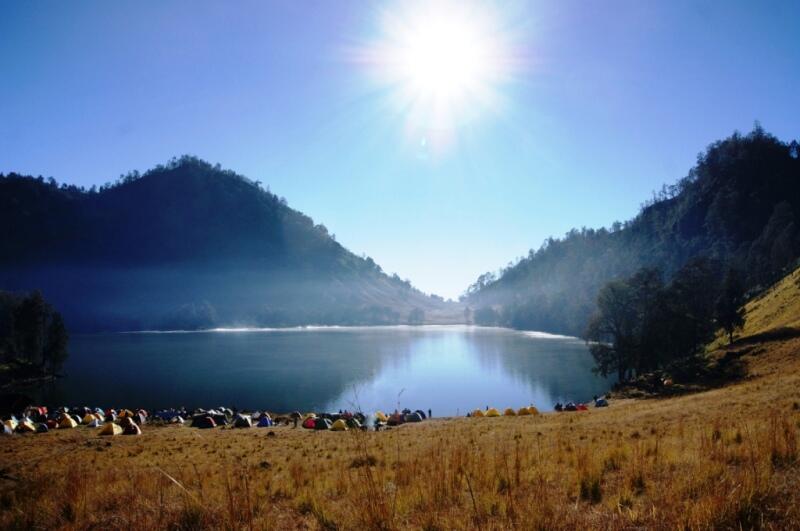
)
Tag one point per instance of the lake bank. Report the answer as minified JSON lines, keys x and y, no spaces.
{"x":720,"y":458}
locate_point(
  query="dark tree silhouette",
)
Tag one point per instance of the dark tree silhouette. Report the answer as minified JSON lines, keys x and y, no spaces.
{"x":730,"y":304}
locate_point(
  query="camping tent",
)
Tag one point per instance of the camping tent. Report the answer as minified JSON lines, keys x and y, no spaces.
{"x":67,"y":422}
{"x":36,"y":413}
{"x":353,"y":423}
{"x":26,"y":426}
{"x":89,"y":418}
{"x":601,"y":402}
{"x":322,"y":424}
{"x":42,"y":428}
{"x":477,"y":413}
{"x":264,"y":422}
{"x":132,"y":429}
{"x":381,"y":416}
{"x":308,"y":424}
{"x":523,"y":411}
{"x":509,"y":412}
{"x":395,"y":419}
{"x":203,"y":422}
{"x":422,"y":414}
{"x":111,"y":429}
{"x":243,"y":421}
{"x":96,"y":423}
{"x":581,"y":407}
{"x":176,"y":420}
{"x":339,"y":425}
{"x":492,"y":412}
{"x":11,"y":423}
{"x":413,"y":417}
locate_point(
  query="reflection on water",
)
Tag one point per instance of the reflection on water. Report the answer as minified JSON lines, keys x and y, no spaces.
{"x":448,"y":369}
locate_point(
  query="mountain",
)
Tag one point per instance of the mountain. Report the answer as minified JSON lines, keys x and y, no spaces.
{"x":189,"y":245}
{"x":739,"y":205}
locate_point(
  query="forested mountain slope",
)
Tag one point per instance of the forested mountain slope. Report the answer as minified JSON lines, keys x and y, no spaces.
{"x":189,"y":245}
{"x":739,"y":205}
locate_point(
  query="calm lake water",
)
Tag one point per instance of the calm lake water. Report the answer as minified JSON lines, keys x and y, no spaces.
{"x":450,"y":369}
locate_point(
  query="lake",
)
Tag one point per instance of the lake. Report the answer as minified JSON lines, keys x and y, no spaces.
{"x":449,"y":369}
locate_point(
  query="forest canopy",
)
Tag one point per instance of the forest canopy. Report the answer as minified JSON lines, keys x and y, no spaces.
{"x":738,"y":206}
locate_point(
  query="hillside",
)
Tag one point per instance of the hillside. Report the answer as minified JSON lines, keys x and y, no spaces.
{"x":777,"y":308}
{"x":189,"y":245}
{"x":727,"y":458}
{"x":739,"y":205}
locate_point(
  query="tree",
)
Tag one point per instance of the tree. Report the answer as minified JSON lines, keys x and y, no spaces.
{"x":55,"y":349}
{"x":416,"y":316}
{"x":689,"y":318}
{"x":730,"y":304}
{"x":29,"y":327}
{"x":486,"y":316}
{"x":612,"y":330}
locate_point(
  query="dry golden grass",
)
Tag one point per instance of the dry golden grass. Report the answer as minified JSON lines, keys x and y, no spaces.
{"x":726,"y":458}
{"x":722,"y":459}
{"x":778,"y":307}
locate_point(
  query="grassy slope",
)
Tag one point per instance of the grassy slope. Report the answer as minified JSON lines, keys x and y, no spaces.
{"x":777,"y":308}
{"x":724,"y":458}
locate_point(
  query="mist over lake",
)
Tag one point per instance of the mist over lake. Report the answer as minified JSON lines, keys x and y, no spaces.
{"x":449,"y":369}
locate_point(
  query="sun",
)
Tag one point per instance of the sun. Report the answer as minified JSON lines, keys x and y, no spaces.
{"x":444,"y":57}
{"x":442,"y":63}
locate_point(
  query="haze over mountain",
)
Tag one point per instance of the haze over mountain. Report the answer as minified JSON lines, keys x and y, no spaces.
{"x":189,"y":245}
{"x":739,"y":205}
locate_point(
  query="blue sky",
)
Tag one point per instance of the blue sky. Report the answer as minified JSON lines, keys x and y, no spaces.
{"x":604,"y":102}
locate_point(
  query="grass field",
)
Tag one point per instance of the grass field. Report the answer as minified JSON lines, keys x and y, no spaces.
{"x":726,"y":458}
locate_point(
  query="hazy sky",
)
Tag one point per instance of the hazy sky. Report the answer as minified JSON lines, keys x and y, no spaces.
{"x":564,"y":114}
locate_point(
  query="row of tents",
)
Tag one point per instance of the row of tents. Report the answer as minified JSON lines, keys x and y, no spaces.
{"x":508,"y":412}
{"x":341,"y":421}
{"x":38,"y":419}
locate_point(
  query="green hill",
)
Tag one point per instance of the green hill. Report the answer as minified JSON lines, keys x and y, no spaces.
{"x":739,"y":206}
{"x":189,"y":245}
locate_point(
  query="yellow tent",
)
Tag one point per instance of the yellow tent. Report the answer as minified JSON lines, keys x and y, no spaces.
{"x":26,"y":427}
{"x":523,"y":411}
{"x":509,"y":412}
{"x":492,"y":413}
{"x":11,"y":423}
{"x":125,"y":413}
{"x":532,"y":410}
{"x":477,"y":413}
{"x":111,"y":429}
{"x":339,"y":425}
{"x":88,"y":418}
{"x":309,"y":416}
{"x":381,"y":416}
{"x":67,"y":422}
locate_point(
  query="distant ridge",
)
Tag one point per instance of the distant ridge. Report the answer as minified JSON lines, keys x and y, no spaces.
{"x":189,"y":245}
{"x":739,"y":205}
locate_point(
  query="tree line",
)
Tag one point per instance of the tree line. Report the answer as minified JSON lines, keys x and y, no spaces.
{"x":32,"y":333}
{"x":643,"y":324}
{"x":739,"y":205}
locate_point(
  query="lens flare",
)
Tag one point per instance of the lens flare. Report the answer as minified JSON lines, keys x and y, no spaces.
{"x":441,"y":63}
